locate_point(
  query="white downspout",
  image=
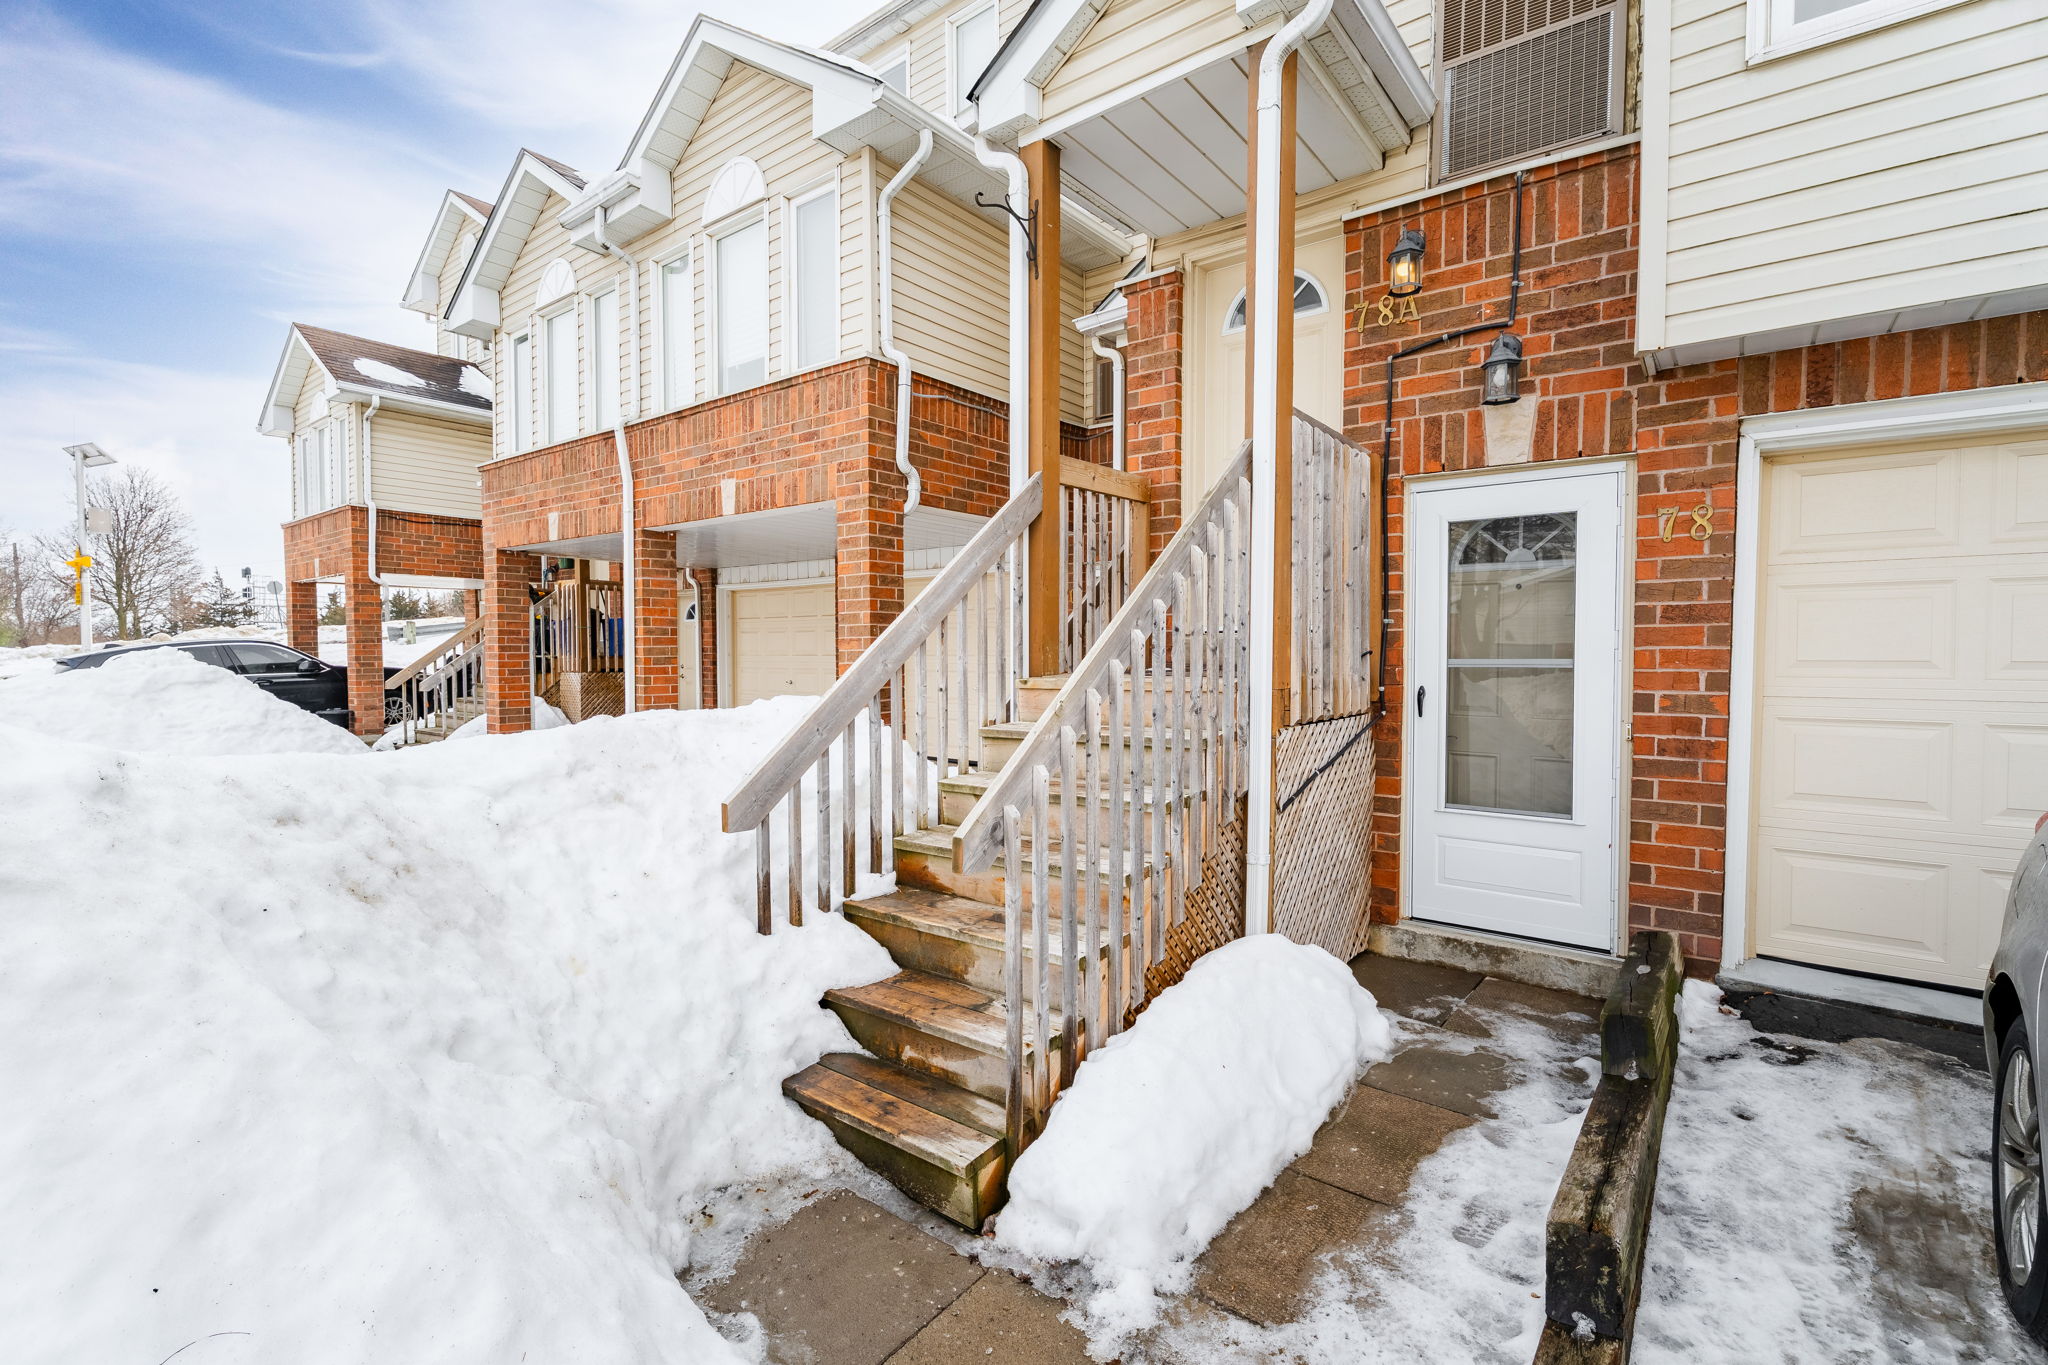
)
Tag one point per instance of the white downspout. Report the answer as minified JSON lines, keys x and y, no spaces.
{"x":1119,"y":439}
{"x":1269,"y":299}
{"x":884,"y":220}
{"x":369,"y":495}
{"x":1019,"y":197}
{"x":628,"y":525}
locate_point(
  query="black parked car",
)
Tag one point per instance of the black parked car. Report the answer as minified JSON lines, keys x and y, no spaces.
{"x":285,"y":673}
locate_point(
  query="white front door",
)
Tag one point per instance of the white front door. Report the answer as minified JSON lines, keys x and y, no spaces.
{"x":1514,"y":719}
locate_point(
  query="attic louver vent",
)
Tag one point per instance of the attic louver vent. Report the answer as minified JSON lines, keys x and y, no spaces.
{"x":1531,"y":93}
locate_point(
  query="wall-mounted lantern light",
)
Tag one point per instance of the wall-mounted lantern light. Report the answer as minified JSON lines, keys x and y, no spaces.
{"x":1503,"y":370}
{"x":1404,"y":264}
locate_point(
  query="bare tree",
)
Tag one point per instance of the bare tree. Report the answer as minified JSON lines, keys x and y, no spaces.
{"x":144,"y":566}
{"x":35,"y":592}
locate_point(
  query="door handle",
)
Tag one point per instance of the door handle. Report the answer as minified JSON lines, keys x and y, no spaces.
{"x":1421,"y":695}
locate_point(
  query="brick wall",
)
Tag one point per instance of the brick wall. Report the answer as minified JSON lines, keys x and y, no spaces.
{"x":1591,"y":398}
{"x":430,"y":546}
{"x":1153,"y":378}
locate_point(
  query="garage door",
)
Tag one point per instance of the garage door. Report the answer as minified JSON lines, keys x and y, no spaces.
{"x":783,"y":642}
{"x":1902,"y":707}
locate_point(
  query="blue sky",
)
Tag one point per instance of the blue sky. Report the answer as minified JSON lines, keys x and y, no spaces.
{"x":180,"y":179}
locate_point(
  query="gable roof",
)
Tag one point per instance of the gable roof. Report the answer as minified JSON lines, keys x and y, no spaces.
{"x":457,"y":212}
{"x":473,"y":311}
{"x":360,"y":366}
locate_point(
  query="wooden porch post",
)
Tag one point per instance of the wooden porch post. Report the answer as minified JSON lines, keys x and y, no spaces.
{"x":1283,"y":328}
{"x":1044,"y":543}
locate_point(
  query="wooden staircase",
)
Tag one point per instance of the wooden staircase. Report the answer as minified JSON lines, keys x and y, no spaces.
{"x":447,"y":721}
{"x":926,"y":1109}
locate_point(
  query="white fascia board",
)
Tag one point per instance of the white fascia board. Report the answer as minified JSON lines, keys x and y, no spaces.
{"x":1007,"y":95}
{"x":432,"y":407}
{"x":1372,"y":32}
{"x":422,"y":289}
{"x":636,"y":200}
{"x":280,"y":405}
{"x":1107,"y":321}
{"x":469,"y":314}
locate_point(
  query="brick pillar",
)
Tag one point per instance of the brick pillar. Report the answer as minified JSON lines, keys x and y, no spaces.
{"x":707,"y":636}
{"x":508,"y":640}
{"x":365,"y":610}
{"x":654,"y":620}
{"x":302,"y":615}
{"x":869,"y":574}
{"x":470,"y":608}
{"x":1154,"y":373}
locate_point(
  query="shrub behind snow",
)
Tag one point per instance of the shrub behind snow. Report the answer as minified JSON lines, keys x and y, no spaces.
{"x":1173,"y":1127}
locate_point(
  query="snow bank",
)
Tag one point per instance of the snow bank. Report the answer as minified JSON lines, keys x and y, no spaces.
{"x":164,"y":701}
{"x":435,"y":1056}
{"x":1173,"y":1127}
{"x":1820,"y":1201}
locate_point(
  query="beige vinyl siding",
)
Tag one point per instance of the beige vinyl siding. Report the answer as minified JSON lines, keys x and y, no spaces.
{"x":929,"y":43}
{"x":1132,"y":42}
{"x":446,"y":342}
{"x":426,"y":464}
{"x":952,"y":296}
{"x":517,"y":311}
{"x":1904,"y":166}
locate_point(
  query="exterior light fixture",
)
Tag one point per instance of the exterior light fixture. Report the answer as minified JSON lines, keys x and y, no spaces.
{"x":1503,"y":370}
{"x":1404,"y":264}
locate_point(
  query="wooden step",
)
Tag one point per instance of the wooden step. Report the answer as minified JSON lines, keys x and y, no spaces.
{"x":927,"y":1023}
{"x":906,"y":1126}
{"x":924,"y":858}
{"x":959,"y":792}
{"x":1000,"y":741}
{"x":949,"y":936}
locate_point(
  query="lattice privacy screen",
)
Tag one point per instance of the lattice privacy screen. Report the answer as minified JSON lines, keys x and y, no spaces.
{"x":1322,"y":842}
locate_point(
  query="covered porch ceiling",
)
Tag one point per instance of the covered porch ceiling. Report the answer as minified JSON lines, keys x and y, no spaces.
{"x":1175,"y":156}
{"x":807,"y":531}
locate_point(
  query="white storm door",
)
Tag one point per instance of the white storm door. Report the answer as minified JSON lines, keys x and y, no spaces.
{"x":1515,"y":725}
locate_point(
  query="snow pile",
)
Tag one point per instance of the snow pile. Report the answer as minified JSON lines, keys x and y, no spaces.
{"x":1173,"y":1127}
{"x":1820,"y":1201}
{"x":388,"y":374}
{"x":164,"y":701}
{"x":474,"y":382}
{"x":444,"y":1055}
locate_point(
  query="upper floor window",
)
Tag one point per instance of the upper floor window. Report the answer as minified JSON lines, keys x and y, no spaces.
{"x":604,"y":360}
{"x":814,"y":285}
{"x":974,"y":42}
{"x":677,"y":324}
{"x":1520,"y":80}
{"x":895,"y":71}
{"x":1308,"y":298}
{"x":1777,"y":27}
{"x":558,"y":365}
{"x":740,"y":306}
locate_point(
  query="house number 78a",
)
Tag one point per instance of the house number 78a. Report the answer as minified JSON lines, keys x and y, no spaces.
{"x":1702,"y":521}
{"x":1387,"y":311}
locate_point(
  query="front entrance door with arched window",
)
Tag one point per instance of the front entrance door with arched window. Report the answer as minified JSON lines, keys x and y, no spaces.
{"x":1216,"y":325}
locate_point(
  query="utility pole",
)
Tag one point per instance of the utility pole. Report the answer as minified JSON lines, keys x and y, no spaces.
{"x":84,"y":457}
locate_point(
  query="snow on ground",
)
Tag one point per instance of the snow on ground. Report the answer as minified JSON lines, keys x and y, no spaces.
{"x":164,"y":701}
{"x":1821,"y":1201}
{"x":1172,"y":1128}
{"x":439,"y":1055}
{"x":431,"y":633}
{"x":1462,"y":1281}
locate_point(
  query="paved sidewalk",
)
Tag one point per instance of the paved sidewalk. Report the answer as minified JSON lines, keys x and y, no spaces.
{"x":847,"y":1283}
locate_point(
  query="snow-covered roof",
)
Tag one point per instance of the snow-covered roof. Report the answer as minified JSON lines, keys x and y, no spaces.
{"x":359,"y":366}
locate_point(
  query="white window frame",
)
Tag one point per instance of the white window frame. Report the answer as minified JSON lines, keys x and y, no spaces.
{"x":900,"y":57}
{"x":1774,"y":33}
{"x":547,"y":433}
{"x":306,"y":483}
{"x":958,"y":81}
{"x":520,"y":365}
{"x":678,"y":384}
{"x":795,"y":287}
{"x":598,"y":387}
{"x":714,"y":357}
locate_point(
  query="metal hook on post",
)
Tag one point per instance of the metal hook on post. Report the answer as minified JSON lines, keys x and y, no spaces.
{"x":1029,"y":222}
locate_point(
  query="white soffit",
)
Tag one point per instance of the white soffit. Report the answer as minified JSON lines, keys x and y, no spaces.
{"x":807,"y":531}
{"x":455,"y":215}
{"x":473,"y":312}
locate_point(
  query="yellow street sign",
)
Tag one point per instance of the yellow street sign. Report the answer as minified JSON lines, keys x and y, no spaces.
{"x":80,"y":563}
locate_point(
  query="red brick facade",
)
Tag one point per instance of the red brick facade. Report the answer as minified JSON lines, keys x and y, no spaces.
{"x":1592,"y":398}
{"x":334,"y":546}
{"x":1154,"y":366}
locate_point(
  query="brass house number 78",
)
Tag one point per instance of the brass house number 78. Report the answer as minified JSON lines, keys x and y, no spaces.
{"x":1702,"y":521}
{"x":1387,"y":311}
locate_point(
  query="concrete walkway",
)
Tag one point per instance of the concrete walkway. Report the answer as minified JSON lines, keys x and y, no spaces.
{"x":845,"y":1282}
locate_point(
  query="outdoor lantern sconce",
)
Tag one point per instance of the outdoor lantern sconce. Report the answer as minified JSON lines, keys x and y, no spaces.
{"x":1503,"y":370}
{"x":1404,"y":264}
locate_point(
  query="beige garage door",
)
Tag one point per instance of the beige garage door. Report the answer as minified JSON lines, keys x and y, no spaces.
{"x":1902,"y":707}
{"x":783,"y":642}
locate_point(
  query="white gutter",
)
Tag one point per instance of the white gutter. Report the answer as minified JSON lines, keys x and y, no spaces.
{"x":1118,"y":435}
{"x":369,"y":496}
{"x":628,"y":530}
{"x":884,"y":220}
{"x":1019,"y":197}
{"x":1270,"y":305}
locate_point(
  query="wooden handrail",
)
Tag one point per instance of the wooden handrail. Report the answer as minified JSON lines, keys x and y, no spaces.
{"x":786,"y":765}
{"x":473,"y":633}
{"x":1100,"y":478}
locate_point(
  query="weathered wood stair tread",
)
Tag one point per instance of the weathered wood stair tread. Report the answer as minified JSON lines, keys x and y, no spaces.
{"x":958,"y":918}
{"x":828,"y":1091}
{"x":978,"y":782}
{"x":1016,"y":731}
{"x":937,"y":842}
{"x":931,"y":1005}
{"x":927,"y":1092}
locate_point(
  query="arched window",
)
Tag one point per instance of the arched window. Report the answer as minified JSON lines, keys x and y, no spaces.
{"x":737,"y":184}
{"x":557,"y":280}
{"x":1308,"y":298}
